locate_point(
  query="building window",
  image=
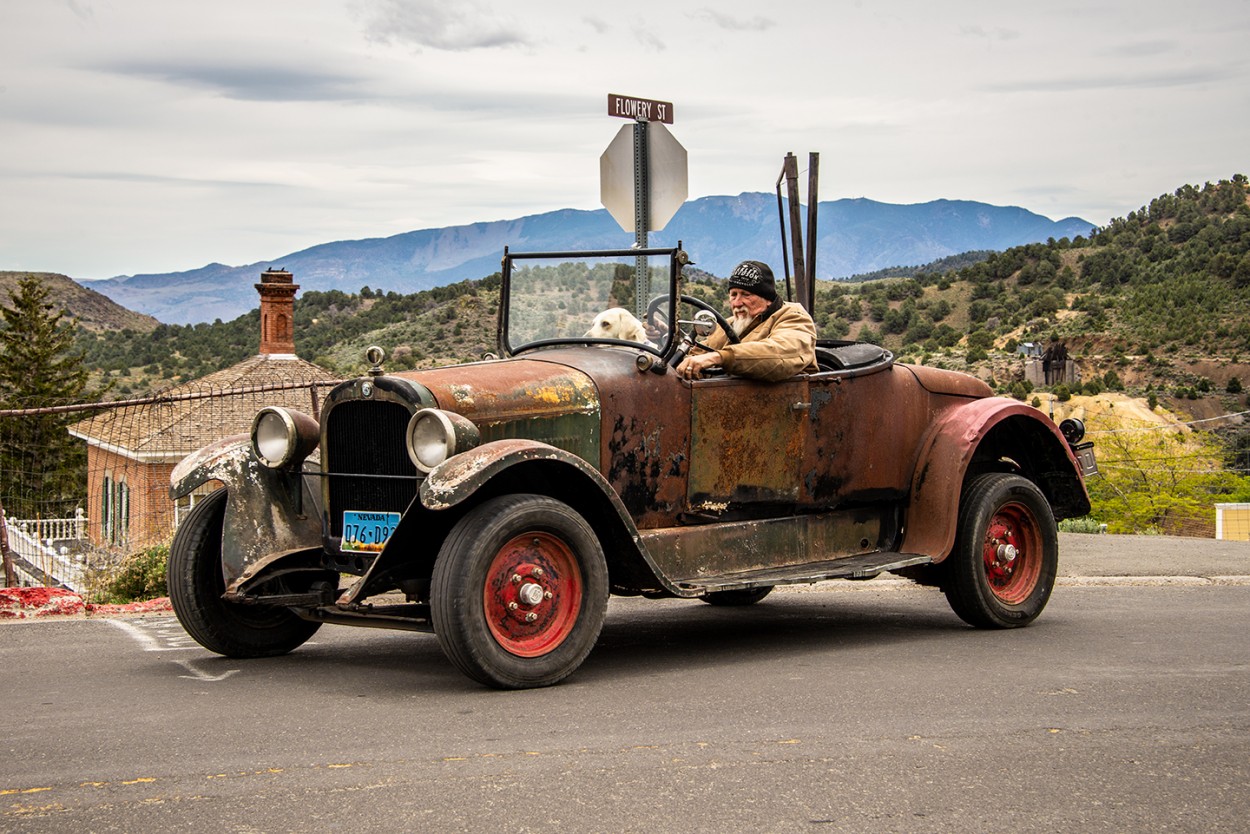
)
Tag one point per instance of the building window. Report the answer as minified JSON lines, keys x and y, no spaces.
{"x":114,"y":511}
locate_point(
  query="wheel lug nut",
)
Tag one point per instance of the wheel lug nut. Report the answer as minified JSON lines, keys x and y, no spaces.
{"x":516,"y":579}
{"x":547,"y":595}
{"x":538,"y":571}
{"x":530,"y":617}
{"x":512,"y":606}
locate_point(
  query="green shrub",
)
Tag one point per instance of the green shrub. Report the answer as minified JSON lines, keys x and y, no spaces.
{"x":140,"y":577}
{"x":1084,"y":524}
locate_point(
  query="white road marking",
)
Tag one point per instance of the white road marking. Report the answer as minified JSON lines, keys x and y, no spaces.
{"x":166,"y":638}
{"x":160,"y":642}
{"x":199,"y":674}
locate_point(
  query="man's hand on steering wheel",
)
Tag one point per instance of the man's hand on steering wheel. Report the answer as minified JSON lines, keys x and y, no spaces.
{"x":693,"y":367}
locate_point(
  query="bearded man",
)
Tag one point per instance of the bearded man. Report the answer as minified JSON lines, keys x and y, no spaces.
{"x":777,"y":338}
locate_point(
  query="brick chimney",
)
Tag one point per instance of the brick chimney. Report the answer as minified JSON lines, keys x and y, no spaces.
{"x":277,"y":305}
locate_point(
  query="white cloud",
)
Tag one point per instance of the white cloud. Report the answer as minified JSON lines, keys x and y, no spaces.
{"x":438,"y":24}
{"x":732,"y":23}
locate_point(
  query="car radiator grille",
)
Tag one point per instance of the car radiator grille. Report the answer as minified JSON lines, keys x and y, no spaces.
{"x":365,"y":439}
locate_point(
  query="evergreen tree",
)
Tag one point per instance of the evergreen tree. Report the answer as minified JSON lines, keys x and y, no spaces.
{"x":42,"y":468}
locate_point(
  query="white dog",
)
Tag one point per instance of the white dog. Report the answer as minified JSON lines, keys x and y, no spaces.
{"x":618,"y":323}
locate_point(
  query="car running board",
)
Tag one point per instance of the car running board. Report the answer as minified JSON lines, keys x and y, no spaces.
{"x":865,"y":566}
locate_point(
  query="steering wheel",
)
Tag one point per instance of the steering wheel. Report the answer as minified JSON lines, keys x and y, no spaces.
{"x":699,"y":304}
{"x":687,"y":340}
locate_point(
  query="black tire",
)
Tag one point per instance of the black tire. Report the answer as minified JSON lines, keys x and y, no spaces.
{"x":984,"y":584}
{"x":484,"y":592}
{"x":196,"y":584}
{"x":741,"y":596}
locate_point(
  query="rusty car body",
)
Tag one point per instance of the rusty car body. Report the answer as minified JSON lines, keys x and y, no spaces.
{"x":499,"y":503}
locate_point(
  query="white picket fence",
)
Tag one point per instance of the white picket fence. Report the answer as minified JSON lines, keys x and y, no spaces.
{"x":44,"y":552}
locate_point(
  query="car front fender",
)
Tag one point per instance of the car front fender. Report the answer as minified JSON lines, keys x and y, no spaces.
{"x":269,"y":512}
{"x":457,"y":478}
{"x":997,"y":432}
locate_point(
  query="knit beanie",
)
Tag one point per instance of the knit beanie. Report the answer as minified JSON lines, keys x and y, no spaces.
{"x":756,"y":278}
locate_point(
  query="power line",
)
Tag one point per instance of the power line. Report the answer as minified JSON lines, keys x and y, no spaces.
{"x":1168,"y":426}
{"x":1104,"y":465}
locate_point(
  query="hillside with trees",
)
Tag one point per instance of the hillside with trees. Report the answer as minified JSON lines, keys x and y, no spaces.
{"x":91,"y":310}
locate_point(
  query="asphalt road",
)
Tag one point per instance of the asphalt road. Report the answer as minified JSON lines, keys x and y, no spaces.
{"x":844,"y":708}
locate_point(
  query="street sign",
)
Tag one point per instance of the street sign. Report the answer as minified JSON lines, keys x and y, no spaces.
{"x":640,"y":109}
{"x":667,"y":177}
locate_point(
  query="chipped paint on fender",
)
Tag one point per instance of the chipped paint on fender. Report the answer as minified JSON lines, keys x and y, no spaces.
{"x":268,"y":511}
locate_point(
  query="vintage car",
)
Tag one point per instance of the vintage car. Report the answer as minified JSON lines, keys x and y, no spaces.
{"x":499,"y":503}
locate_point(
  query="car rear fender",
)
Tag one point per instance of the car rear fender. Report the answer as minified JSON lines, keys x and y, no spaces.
{"x":269,"y":512}
{"x":991,"y":434}
{"x":517,"y":465}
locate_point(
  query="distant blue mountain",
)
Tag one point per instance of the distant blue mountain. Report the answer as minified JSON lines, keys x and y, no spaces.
{"x":854,"y":236}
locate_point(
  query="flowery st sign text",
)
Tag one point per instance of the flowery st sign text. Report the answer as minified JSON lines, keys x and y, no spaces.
{"x":640,"y":109}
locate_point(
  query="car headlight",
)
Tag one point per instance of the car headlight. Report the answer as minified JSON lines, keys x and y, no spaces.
{"x":435,"y":435}
{"x":282,"y":437}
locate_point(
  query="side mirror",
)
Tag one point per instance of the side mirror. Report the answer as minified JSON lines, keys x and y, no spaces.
{"x":704,"y":323}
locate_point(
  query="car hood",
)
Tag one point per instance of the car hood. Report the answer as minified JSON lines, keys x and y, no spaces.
{"x":510,"y":390}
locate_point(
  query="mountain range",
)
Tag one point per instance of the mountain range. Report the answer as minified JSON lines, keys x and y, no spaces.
{"x":854,"y":236}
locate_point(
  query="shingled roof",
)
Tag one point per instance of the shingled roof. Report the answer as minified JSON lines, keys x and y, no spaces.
{"x":194,"y":414}
{"x":179,"y":420}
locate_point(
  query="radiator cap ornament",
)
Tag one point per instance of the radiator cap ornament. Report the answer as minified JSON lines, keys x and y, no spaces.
{"x":374,"y":356}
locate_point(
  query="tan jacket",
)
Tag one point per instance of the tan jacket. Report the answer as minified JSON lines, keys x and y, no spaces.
{"x":774,"y":347}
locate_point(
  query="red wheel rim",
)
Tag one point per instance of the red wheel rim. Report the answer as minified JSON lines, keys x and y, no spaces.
{"x":1012,"y":553}
{"x":533,"y":594}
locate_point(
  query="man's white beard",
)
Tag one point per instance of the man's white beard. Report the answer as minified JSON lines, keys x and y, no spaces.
{"x":740,"y":322}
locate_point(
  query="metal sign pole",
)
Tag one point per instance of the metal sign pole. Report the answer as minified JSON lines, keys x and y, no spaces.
{"x":642,"y":216}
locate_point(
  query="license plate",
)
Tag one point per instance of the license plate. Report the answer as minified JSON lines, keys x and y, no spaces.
{"x":365,"y":532}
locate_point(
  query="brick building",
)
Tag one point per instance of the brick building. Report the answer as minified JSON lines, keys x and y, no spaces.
{"x":131,"y":450}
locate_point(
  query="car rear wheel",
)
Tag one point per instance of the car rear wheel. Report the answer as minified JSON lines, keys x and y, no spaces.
{"x":519,"y":592}
{"x":196,"y":584}
{"x":1006,"y":553}
{"x":741,"y":596}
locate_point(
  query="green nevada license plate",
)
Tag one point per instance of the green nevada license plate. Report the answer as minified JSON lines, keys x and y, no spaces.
{"x":367,"y":532}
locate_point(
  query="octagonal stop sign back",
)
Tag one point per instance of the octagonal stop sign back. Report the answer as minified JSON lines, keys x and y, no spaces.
{"x":666,"y":175}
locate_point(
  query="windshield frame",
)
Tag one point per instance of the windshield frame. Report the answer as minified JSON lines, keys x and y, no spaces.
{"x":676,"y":258}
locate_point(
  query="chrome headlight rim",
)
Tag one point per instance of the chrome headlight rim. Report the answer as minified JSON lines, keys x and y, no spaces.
{"x":265,"y":447}
{"x":282,"y":437}
{"x":434,"y":435}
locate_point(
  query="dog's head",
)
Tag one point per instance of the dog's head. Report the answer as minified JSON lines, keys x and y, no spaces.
{"x":617,"y":323}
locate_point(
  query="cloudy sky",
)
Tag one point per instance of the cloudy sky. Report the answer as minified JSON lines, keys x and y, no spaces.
{"x":159,"y":135}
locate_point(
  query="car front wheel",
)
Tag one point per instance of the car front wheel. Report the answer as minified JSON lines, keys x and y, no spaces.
{"x":519,"y":592}
{"x":196,"y":584}
{"x":1006,"y":553}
